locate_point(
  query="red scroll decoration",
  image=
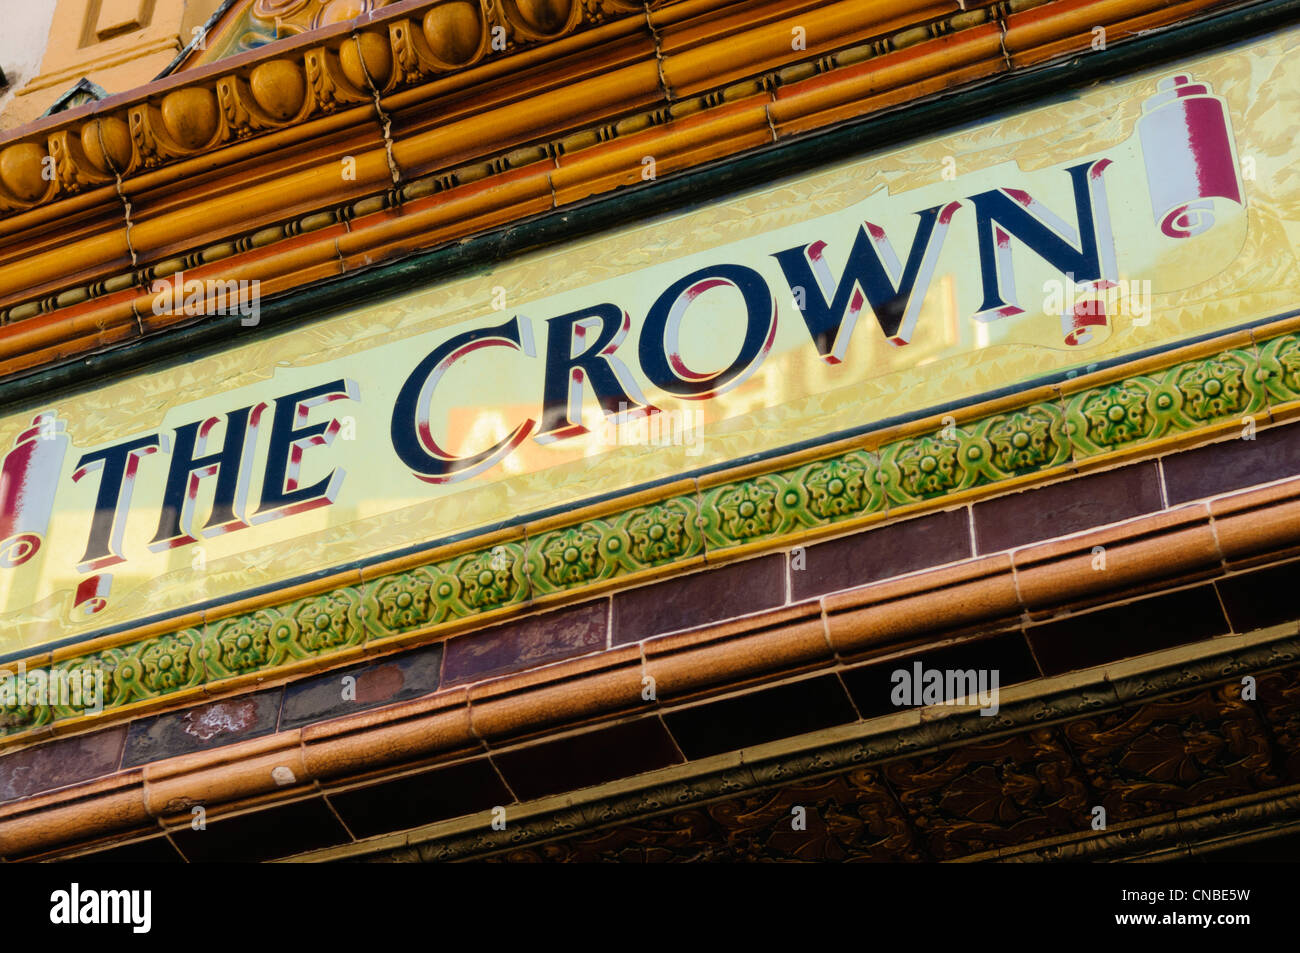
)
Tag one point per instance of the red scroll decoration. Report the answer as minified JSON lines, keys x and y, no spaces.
{"x":1187,"y":146}
{"x":1083,"y":316}
{"x":28,"y":479}
{"x":92,"y":593}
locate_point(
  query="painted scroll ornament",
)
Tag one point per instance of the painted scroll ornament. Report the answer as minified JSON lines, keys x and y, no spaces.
{"x":1188,"y":151}
{"x":92,"y":593}
{"x":29,"y":477}
{"x":1187,"y":145}
{"x":1085,"y":323}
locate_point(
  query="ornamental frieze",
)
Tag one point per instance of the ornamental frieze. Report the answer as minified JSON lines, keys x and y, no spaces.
{"x":344,"y":70}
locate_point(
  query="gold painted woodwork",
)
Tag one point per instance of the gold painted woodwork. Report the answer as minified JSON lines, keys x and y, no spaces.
{"x":601,"y":72}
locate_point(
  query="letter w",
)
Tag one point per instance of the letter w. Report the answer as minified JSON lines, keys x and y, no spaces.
{"x":873,"y":274}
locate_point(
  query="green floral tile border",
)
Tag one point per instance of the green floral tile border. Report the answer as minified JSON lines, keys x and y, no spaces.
{"x":782,"y":506}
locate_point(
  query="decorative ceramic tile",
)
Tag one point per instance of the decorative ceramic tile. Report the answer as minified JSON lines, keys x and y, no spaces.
{"x":599,"y":550}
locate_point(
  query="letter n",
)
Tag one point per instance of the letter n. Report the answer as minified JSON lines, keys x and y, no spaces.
{"x":1087,"y":253}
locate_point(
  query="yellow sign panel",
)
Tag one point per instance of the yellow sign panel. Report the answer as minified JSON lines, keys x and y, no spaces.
{"x":1140,"y":213}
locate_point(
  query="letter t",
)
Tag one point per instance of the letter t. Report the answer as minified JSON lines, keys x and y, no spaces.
{"x":119,"y":464}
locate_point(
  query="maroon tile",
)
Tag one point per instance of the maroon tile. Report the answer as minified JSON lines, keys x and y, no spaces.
{"x":1160,"y":622}
{"x":421,"y":798}
{"x":206,"y":726}
{"x":60,"y":763}
{"x":880,"y":553}
{"x":689,"y":601}
{"x":393,"y":679}
{"x":769,"y":715}
{"x":872,"y":686}
{"x":1068,"y":507}
{"x":1261,"y":598}
{"x":528,"y":642}
{"x":587,"y":759}
{"x":1206,"y":471}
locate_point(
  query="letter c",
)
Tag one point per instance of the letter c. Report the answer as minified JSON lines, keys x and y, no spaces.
{"x":412,"y":433}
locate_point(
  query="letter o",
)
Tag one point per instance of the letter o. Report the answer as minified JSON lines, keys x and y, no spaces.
{"x":659,"y":345}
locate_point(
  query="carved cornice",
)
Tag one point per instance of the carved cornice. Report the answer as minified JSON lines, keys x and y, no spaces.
{"x":264,"y":133}
{"x":1100,"y":710}
{"x":340,"y":65}
{"x":939,"y":783}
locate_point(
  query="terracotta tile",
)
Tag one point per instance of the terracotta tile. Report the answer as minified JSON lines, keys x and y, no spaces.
{"x":872,"y":686}
{"x":1137,"y":628}
{"x":776,"y":643}
{"x":528,"y":642}
{"x":698,"y":599}
{"x":977,"y":594}
{"x":572,"y":693}
{"x":431,"y":726}
{"x":685,"y":143}
{"x":1067,"y":507}
{"x":206,"y":726}
{"x":528,"y":118}
{"x":620,"y":61}
{"x":587,"y":759}
{"x":111,"y":805}
{"x":394,"y":679}
{"x":263,"y":835}
{"x":721,"y":49}
{"x":1165,"y":548}
{"x":882,"y":81}
{"x":60,"y":763}
{"x":270,"y":765}
{"x":758,"y":717}
{"x":421,"y":798}
{"x":1261,"y":598}
{"x":1259,"y":525}
{"x":1232,"y":464}
{"x":882,"y":553}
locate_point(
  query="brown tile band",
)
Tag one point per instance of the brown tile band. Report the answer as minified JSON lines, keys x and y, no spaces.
{"x":1164,"y":550}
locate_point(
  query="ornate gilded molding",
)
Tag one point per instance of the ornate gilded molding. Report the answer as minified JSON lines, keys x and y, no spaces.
{"x":278,"y":82}
{"x":274,"y":95}
{"x":986,"y":449}
{"x":268,"y":238}
{"x":110,"y":302}
{"x":345,"y":68}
